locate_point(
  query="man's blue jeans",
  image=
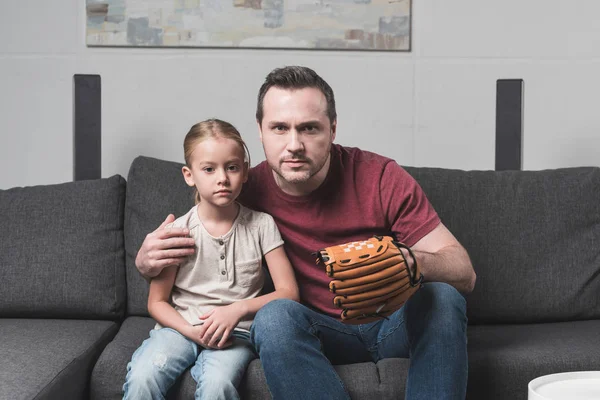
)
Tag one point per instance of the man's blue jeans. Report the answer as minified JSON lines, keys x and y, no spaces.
{"x":297,"y":346}
{"x":162,"y":358}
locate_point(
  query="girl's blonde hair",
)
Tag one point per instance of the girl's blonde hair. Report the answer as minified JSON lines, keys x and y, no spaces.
{"x":211,"y":128}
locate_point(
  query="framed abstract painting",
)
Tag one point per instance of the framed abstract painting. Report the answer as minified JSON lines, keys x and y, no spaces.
{"x":379,"y":25}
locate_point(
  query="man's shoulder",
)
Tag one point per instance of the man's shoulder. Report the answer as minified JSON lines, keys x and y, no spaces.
{"x":255,"y":187}
{"x":360,"y":157}
{"x":258,"y":171}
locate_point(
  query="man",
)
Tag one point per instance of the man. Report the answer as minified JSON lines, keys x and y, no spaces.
{"x":321,"y":194}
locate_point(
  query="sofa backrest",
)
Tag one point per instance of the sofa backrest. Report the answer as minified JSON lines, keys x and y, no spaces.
{"x":155,"y":188}
{"x":61,"y":250}
{"x":533,"y":238}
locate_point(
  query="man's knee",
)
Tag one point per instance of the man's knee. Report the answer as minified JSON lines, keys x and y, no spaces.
{"x":441,"y":294}
{"x":441,"y":301}
{"x":275,"y":313}
{"x":275,"y":320}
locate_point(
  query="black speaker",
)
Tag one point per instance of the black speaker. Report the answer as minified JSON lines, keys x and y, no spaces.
{"x":87,"y":128}
{"x":509,"y":124}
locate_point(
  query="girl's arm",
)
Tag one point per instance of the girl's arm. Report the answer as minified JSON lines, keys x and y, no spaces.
{"x":284,"y":281}
{"x":219,"y":322}
{"x":158,"y":302}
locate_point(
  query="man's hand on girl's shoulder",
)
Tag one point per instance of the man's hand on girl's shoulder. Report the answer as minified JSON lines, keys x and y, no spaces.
{"x":165,"y":246}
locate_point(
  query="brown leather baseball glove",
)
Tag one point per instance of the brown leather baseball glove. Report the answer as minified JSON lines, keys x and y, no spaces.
{"x":371,"y":278}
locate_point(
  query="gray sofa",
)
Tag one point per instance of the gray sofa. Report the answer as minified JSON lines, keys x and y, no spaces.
{"x":73,"y":306}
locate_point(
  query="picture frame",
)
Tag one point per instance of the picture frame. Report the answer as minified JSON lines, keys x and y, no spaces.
{"x":375,"y":25}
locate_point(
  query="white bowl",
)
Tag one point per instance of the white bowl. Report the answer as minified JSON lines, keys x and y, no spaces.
{"x":582,"y":385}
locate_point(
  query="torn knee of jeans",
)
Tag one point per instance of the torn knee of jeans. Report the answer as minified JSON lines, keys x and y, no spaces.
{"x":159,"y":360}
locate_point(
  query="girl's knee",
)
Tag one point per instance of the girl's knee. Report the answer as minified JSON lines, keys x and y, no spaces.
{"x":217,"y":387}
{"x":147,"y":373}
{"x":140,"y":383}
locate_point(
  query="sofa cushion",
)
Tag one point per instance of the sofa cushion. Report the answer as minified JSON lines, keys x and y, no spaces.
{"x":109,"y":372}
{"x":48,"y":358}
{"x":533,"y":238}
{"x":155,"y":189}
{"x":503,"y":359}
{"x":61,"y":250}
{"x":384,"y":380}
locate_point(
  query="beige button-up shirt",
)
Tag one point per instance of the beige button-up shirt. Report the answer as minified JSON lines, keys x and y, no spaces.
{"x":224,"y":269}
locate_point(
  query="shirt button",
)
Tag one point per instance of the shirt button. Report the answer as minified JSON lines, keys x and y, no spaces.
{"x":222,"y":257}
{"x":221,"y":242}
{"x":222,"y":272}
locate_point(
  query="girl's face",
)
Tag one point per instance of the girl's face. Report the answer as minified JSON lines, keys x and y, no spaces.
{"x":217,"y":170}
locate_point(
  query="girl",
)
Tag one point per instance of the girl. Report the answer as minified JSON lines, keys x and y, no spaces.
{"x":204,"y":307}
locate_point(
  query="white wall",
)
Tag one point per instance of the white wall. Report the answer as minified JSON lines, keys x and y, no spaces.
{"x":434,"y":106}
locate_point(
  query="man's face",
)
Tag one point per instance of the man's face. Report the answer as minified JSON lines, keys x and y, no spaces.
{"x":296,"y":135}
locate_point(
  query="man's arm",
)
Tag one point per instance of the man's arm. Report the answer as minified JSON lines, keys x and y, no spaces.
{"x":442,"y":258}
{"x":162,"y":248}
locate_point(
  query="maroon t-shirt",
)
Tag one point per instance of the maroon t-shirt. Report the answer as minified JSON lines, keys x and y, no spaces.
{"x":364,"y":194}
